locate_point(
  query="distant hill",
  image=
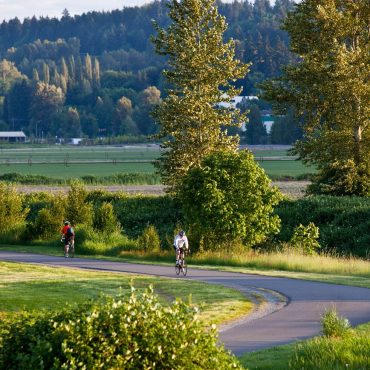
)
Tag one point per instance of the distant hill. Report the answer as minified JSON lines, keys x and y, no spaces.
{"x":99,"y":57}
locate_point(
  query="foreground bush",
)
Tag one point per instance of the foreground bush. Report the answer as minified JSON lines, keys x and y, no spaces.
{"x":138,"y":333}
{"x":350,"y":352}
{"x":340,"y":347}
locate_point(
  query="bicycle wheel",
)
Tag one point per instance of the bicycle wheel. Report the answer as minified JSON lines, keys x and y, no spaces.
{"x":71,"y":251}
{"x":177,"y":269}
{"x":184,"y":268}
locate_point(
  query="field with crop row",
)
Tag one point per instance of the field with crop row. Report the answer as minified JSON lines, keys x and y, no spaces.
{"x":71,"y":162}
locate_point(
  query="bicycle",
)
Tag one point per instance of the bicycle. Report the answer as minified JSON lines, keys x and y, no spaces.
{"x":181,"y":266}
{"x":71,"y":247}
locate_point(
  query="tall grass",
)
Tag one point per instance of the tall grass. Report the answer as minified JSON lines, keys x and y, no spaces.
{"x":288,"y":261}
{"x":282,"y":261}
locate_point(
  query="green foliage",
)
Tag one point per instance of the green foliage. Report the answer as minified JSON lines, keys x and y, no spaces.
{"x":49,"y":219}
{"x":201,"y":68}
{"x":135,"y":213}
{"x":149,"y":239}
{"x":329,"y":90}
{"x":78,"y":211}
{"x":305,"y":238}
{"x":12,"y":212}
{"x":117,"y":178}
{"x":339,"y":348}
{"x":344,"y":222}
{"x":92,"y":242}
{"x":334,"y":325}
{"x":343,"y":177}
{"x":229,"y":198}
{"x":138,"y":333}
{"x":104,"y":218}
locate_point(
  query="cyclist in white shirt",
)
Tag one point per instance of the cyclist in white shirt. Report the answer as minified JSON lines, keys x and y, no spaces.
{"x":180,"y":242}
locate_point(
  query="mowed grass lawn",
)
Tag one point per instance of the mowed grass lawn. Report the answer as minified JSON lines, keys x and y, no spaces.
{"x":60,"y":161}
{"x":30,"y":287}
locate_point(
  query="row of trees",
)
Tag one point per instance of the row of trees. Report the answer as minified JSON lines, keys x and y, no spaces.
{"x":121,"y":38}
{"x":104,"y":76}
{"x":70,"y":102}
{"x":225,"y":196}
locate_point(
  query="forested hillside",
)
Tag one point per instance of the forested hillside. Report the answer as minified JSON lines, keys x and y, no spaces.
{"x":96,"y":74}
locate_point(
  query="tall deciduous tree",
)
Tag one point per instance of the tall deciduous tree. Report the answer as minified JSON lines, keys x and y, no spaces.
{"x":46,"y":102}
{"x":201,"y":68}
{"x":330,"y":90}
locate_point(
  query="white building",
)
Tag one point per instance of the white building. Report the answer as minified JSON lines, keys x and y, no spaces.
{"x":13,"y":136}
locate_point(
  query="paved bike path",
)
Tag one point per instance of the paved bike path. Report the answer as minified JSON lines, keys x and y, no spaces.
{"x":299,"y":319}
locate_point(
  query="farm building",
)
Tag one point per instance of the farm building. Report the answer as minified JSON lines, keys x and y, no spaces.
{"x":13,"y":136}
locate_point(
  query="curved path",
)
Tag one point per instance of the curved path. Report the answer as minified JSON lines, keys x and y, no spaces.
{"x":298,"y":319}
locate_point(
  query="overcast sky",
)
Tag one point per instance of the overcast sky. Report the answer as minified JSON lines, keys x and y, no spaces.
{"x":53,"y":8}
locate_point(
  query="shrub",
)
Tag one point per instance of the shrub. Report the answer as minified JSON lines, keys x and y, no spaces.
{"x":13,"y":214}
{"x":344,"y":222}
{"x":334,"y":325}
{"x":78,"y":210}
{"x":229,"y":198}
{"x":135,"y":212}
{"x":149,"y":239}
{"x":49,"y":220}
{"x":305,"y":238}
{"x":104,"y":218}
{"x":138,"y":333}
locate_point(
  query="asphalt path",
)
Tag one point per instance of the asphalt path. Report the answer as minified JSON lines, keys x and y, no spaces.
{"x":298,"y":319}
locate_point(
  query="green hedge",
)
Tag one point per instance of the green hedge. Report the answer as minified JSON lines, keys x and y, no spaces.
{"x":137,"y":333}
{"x":135,"y":213}
{"x":344,"y":222}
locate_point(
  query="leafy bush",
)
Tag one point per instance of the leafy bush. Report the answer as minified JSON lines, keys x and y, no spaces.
{"x":49,"y":220}
{"x":229,"y":198}
{"x":13,"y":213}
{"x":334,"y":325}
{"x":78,"y":210}
{"x":342,"y":177}
{"x":149,"y":239}
{"x":305,"y":238}
{"x":138,"y":333}
{"x":136,"y":212}
{"x":344,"y":222}
{"x":104,"y":218}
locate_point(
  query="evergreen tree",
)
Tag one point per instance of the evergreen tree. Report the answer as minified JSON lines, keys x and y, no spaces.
{"x":330,"y":91}
{"x":256,"y":130}
{"x":18,"y":104}
{"x":201,"y":67}
{"x":286,"y":129}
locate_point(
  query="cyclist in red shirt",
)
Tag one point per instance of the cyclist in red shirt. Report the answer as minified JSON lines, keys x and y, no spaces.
{"x":68,"y":236}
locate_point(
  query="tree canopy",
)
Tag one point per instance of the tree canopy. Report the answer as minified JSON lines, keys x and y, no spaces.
{"x":201,"y":67}
{"x":330,"y":91}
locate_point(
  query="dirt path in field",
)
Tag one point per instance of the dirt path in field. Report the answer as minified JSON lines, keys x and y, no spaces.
{"x":293,"y":189}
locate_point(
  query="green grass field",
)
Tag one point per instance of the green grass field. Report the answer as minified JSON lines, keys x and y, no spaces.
{"x":32,"y":287}
{"x":74,"y":162}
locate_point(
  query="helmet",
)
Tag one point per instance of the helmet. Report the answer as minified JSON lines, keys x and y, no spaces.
{"x":182,"y":233}
{"x":66,"y":223}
